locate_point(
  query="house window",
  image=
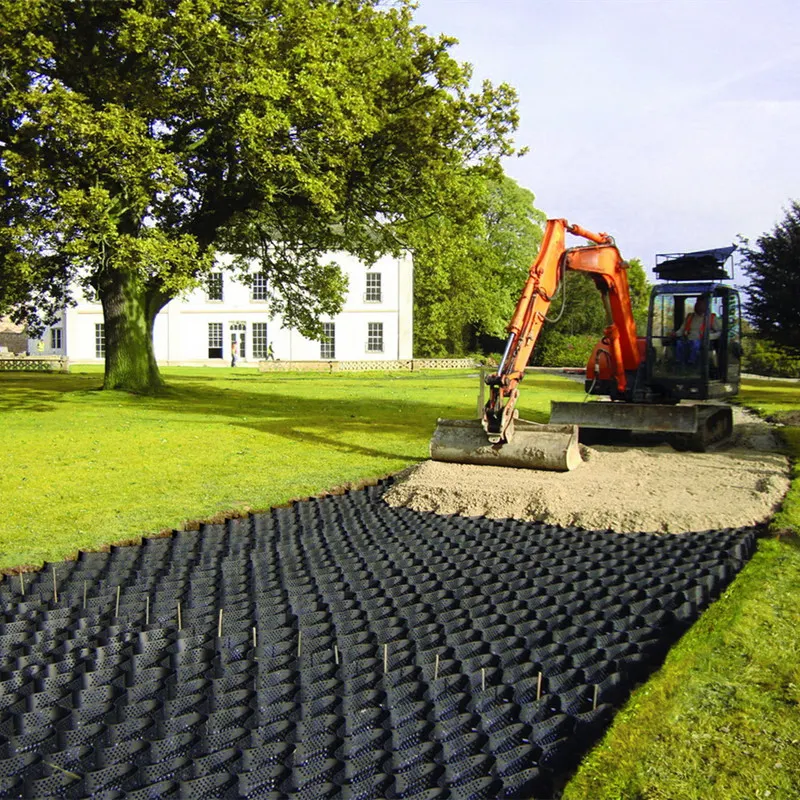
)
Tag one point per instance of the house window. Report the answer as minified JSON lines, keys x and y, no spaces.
{"x":215,"y":340}
{"x":374,"y":337}
{"x":55,"y":338}
{"x":214,"y":286}
{"x":259,"y":286}
{"x":100,"y":340}
{"x":327,"y":350}
{"x":373,"y":293}
{"x":259,"y":340}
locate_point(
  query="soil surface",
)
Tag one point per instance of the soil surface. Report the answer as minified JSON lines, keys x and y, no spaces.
{"x":625,"y":489}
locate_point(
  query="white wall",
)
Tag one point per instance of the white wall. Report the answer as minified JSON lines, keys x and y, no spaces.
{"x":180,"y":333}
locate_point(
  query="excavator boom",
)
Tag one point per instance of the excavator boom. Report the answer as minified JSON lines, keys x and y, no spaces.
{"x":603,"y":261}
{"x":499,"y":438}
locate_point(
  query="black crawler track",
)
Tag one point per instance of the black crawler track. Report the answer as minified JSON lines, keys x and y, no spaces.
{"x":396,"y":654}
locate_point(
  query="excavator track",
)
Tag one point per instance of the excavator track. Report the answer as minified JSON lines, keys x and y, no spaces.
{"x":690,"y":427}
{"x":715,"y":424}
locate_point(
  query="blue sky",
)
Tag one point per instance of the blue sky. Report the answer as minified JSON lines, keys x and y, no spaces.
{"x":673,"y":125}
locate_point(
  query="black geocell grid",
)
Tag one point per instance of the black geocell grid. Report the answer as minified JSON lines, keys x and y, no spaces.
{"x":396,"y":654}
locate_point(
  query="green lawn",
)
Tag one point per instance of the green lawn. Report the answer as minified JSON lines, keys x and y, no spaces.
{"x":84,"y":468}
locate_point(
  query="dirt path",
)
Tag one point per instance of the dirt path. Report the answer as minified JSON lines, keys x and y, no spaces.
{"x":624,"y":489}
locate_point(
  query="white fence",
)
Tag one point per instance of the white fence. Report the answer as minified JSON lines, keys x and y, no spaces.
{"x":409,"y":365}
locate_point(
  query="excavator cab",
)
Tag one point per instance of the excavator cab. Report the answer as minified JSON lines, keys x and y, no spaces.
{"x":694,"y":329}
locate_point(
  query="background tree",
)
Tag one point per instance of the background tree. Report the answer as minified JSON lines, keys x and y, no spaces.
{"x":470,"y":265}
{"x":773,"y":266}
{"x":578,"y":318}
{"x":139,"y":137}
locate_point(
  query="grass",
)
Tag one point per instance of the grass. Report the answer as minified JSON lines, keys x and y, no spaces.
{"x":83,"y":468}
{"x":721,"y":719}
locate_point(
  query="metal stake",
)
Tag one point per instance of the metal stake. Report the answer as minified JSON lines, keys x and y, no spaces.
{"x":179,"y":614}
{"x":594,"y":699}
{"x":299,"y":643}
{"x":219,"y":625}
{"x":386,"y":658}
{"x":483,"y":679}
{"x":336,"y":654}
{"x":539,"y":687}
{"x":55,"y":586}
{"x":21,"y":583}
{"x":436,"y":668}
{"x":116,"y":609}
{"x":147,"y":610}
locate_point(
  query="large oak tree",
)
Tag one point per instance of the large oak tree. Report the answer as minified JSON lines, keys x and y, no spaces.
{"x":137,"y":137}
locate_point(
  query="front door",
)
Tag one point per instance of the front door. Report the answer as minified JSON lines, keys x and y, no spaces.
{"x":239,"y":339}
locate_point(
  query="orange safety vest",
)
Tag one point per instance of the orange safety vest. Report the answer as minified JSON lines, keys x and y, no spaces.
{"x":687,"y":324}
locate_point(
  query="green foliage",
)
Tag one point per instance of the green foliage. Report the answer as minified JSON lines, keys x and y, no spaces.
{"x":137,"y":139}
{"x":560,"y":349}
{"x":470,"y":262}
{"x":763,"y":357}
{"x":773,"y":266}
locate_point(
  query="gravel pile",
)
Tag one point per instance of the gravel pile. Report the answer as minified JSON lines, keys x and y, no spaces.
{"x":625,"y":489}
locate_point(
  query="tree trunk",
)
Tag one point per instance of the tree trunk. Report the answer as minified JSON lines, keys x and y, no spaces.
{"x":129,"y":310}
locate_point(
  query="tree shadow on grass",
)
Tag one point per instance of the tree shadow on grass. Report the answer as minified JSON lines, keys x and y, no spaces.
{"x":303,"y":419}
{"x":284,"y":407}
{"x":41,"y":392}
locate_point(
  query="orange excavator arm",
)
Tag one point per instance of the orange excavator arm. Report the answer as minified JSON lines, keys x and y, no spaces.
{"x":603,"y":261}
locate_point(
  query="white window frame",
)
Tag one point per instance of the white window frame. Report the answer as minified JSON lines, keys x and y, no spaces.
{"x":374,"y":288}
{"x":259,"y":342}
{"x":99,"y":340}
{"x":215,"y":339}
{"x":217,"y":278}
{"x":327,"y":347}
{"x":56,"y":338}
{"x":375,"y":343}
{"x":259,"y":291}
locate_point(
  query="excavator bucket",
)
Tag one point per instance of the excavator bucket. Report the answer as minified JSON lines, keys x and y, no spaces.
{"x":533,"y":446}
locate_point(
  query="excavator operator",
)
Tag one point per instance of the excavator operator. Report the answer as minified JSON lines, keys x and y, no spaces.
{"x":690,"y":334}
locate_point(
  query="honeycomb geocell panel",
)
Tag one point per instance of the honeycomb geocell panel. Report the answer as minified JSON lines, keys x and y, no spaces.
{"x":339,"y":648}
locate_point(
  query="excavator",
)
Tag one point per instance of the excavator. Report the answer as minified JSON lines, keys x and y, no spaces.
{"x":649,"y":384}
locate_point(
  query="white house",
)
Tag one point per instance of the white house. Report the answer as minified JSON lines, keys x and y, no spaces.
{"x":201,"y":327}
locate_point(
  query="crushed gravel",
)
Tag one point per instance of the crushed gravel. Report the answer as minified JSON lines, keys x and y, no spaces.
{"x":625,"y":489}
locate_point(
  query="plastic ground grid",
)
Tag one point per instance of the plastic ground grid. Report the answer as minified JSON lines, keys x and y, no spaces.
{"x":339,"y":647}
